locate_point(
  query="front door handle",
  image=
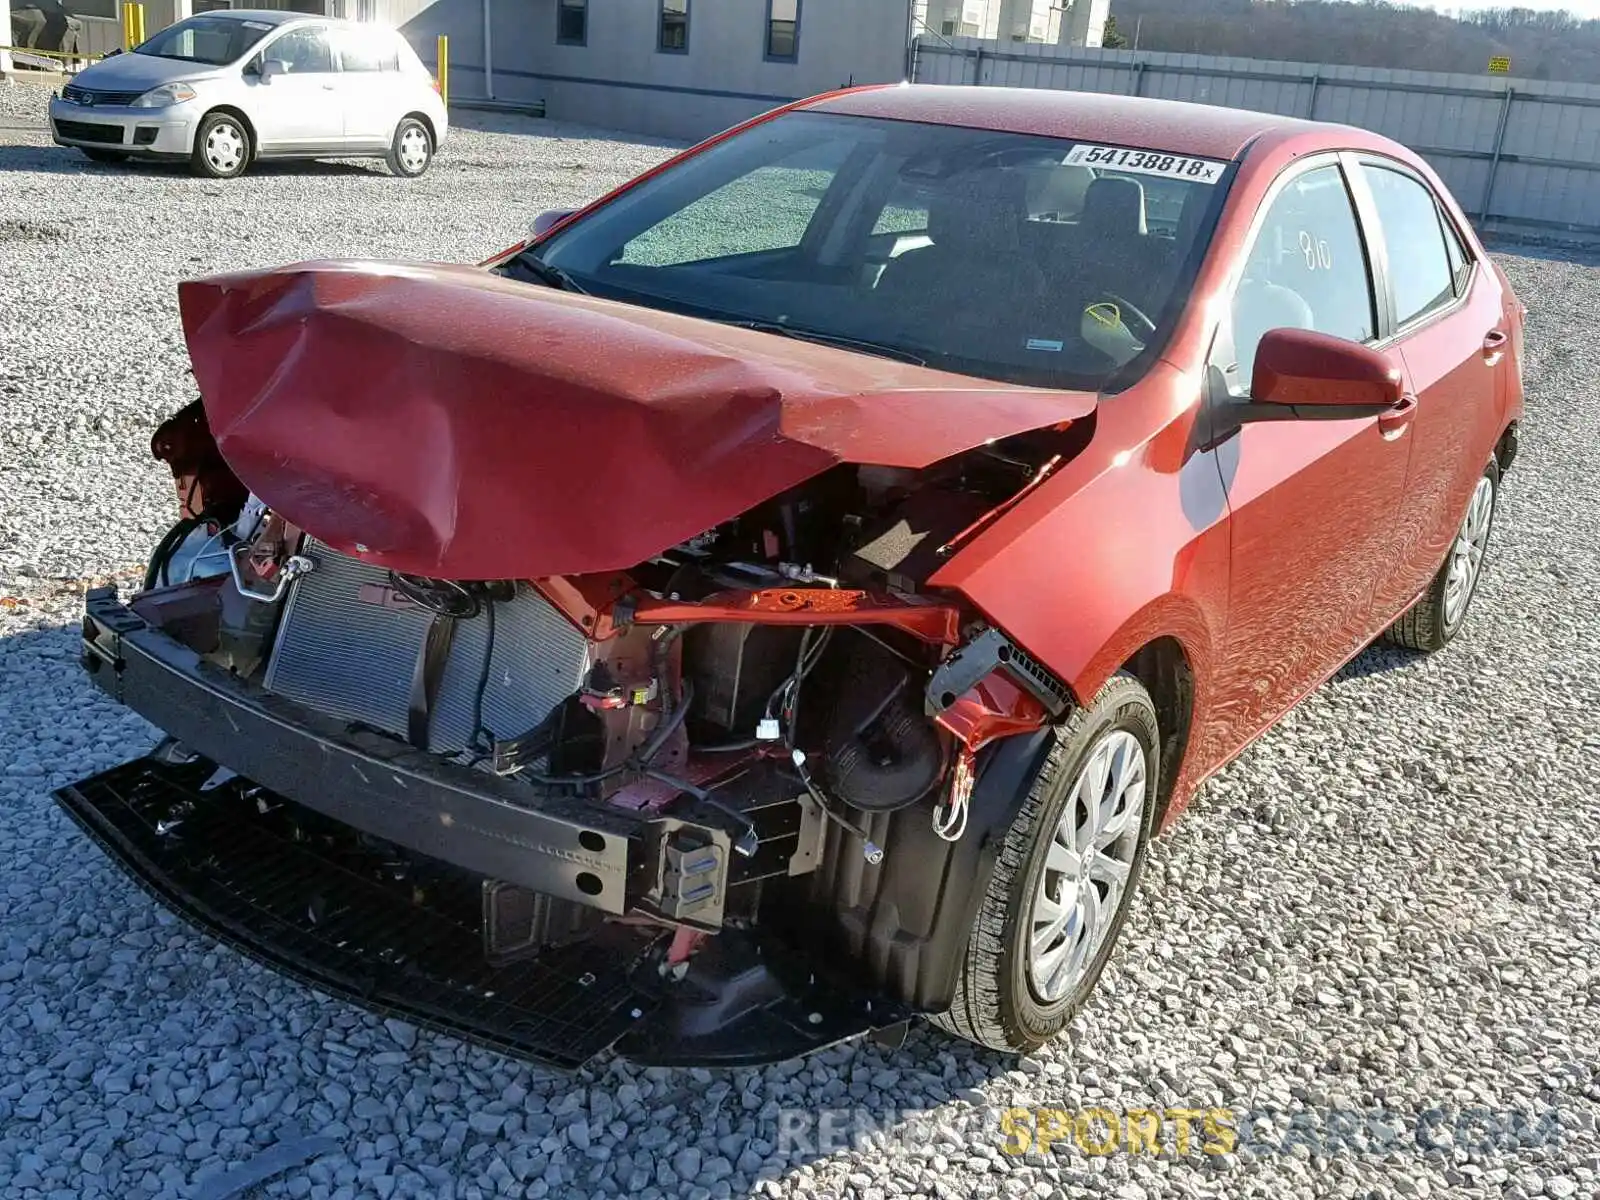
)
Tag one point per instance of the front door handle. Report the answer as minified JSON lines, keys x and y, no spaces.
{"x":1494,"y":346}
{"x":1396,"y":420}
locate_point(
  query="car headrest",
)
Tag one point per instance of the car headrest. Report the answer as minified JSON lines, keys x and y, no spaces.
{"x":980,"y":210}
{"x":1114,"y":207}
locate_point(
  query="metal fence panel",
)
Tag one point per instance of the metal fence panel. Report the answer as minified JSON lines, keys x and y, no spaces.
{"x":1522,"y":156}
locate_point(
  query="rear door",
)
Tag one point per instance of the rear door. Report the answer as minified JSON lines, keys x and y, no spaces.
{"x":1451,"y":335}
{"x":370,"y":85}
{"x":1314,"y":503}
{"x":298,"y":111}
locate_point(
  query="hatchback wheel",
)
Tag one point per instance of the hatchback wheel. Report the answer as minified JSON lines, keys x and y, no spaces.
{"x":221,"y":147}
{"x":412,"y":149}
{"x":1064,"y":878}
{"x":1439,"y":615}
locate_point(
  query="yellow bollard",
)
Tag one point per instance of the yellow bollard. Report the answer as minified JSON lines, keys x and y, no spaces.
{"x":132,"y":25}
{"x":442,"y":77}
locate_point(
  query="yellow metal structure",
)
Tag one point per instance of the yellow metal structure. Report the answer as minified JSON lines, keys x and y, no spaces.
{"x":1500,"y":65}
{"x":132,"y":25}
{"x":442,"y":74}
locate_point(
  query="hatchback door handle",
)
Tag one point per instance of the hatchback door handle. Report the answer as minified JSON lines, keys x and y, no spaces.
{"x":1494,"y":346}
{"x":1395,"y":421}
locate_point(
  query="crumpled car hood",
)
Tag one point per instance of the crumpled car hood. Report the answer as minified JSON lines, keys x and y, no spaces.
{"x":443,"y":421}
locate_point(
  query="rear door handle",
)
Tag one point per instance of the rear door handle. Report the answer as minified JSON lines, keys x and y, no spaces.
{"x":1396,"y":420}
{"x":1494,"y":346}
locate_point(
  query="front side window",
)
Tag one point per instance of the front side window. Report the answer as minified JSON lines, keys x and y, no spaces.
{"x":783,"y":30}
{"x":673,"y":34}
{"x":1419,"y":259}
{"x":1307,"y":269}
{"x":572,"y":22}
{"x":205,"y":39}
{"x":999,"y":255}
{"x":303,"y":51}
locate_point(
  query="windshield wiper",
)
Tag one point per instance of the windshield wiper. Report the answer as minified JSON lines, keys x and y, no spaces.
{"x":546,"y":274}
{"x":830,"y":339}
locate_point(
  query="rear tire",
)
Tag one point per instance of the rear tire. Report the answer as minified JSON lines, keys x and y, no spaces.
{"x":1030,"y":964}
{"x":411,"y":150}
{"x":1433,"y":621}
{"x":221,"y":147}
{"x":103,"y":156}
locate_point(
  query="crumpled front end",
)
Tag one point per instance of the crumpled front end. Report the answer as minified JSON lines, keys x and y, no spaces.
{"x":572,"y":698}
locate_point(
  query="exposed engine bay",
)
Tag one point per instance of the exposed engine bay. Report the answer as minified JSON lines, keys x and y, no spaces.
{"x":644,"y":685}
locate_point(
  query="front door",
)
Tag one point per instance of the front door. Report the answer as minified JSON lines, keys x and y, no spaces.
{"x":297,"y":111}
{"x":1314,"y":503}
{"x":1453,"y":342}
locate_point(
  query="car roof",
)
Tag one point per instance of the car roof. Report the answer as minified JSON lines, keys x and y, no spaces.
{"x":271,"y":16}
{"x":267,"y":16}
{"x":1202,"y":130}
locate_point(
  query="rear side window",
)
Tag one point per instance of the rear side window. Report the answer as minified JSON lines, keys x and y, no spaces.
{"x":1307,"y":269}
{"x":1460,"y":260}
{"x":1419,"y":259}
{"x":362,"y":51}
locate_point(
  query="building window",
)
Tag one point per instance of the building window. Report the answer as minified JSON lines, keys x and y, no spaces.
{"x":783,"y":30}
{"x":572,"y":22}
{"x":672,"y":36}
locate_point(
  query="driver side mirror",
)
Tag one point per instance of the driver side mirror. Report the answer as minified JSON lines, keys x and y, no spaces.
{"x":545,"y":221}
{"x":269,"y":69}
{"x":1319,"y":375}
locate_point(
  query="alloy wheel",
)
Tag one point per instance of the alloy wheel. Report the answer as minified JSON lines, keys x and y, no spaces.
{"x":1466,"y":554}
{"x":1087,"y":866}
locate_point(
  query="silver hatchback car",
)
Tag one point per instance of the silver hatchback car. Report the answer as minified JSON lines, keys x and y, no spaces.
{"x":225,"y":88}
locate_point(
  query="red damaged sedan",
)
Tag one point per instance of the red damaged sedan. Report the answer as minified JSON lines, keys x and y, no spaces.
{"x":785,"y":597}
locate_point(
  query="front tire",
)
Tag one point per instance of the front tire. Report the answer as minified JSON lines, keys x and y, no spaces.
{"x":1433,"y":621}
{"x":221,"y":147}
{"x":103,"y":156}
{"x":1064,"y":878}
{"x":411,"y":150}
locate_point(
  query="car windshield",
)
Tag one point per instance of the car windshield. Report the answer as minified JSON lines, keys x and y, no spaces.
{"x":215,"y":41}
{"x":1007,"y":256}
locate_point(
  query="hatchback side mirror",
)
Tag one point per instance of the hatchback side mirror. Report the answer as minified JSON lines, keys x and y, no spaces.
{"x":545,"y":221}
{"x":270,"y":68}
{"x":1319,"y":375}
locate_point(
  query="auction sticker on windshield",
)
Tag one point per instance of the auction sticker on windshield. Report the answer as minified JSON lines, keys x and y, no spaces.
{"x":1147,"y":162}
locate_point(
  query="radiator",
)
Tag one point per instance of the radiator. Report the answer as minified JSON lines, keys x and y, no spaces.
{"x":348,"y":648}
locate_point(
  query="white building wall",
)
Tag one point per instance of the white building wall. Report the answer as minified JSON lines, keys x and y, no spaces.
{"x":619,"y":79}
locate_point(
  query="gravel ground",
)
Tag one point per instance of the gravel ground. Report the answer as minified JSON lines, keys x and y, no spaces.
{"x":1385,"y":909}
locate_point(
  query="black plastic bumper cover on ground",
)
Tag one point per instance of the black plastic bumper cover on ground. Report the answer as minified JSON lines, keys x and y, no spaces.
{"x":288,"y":902}
{"x":288,"y":906}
